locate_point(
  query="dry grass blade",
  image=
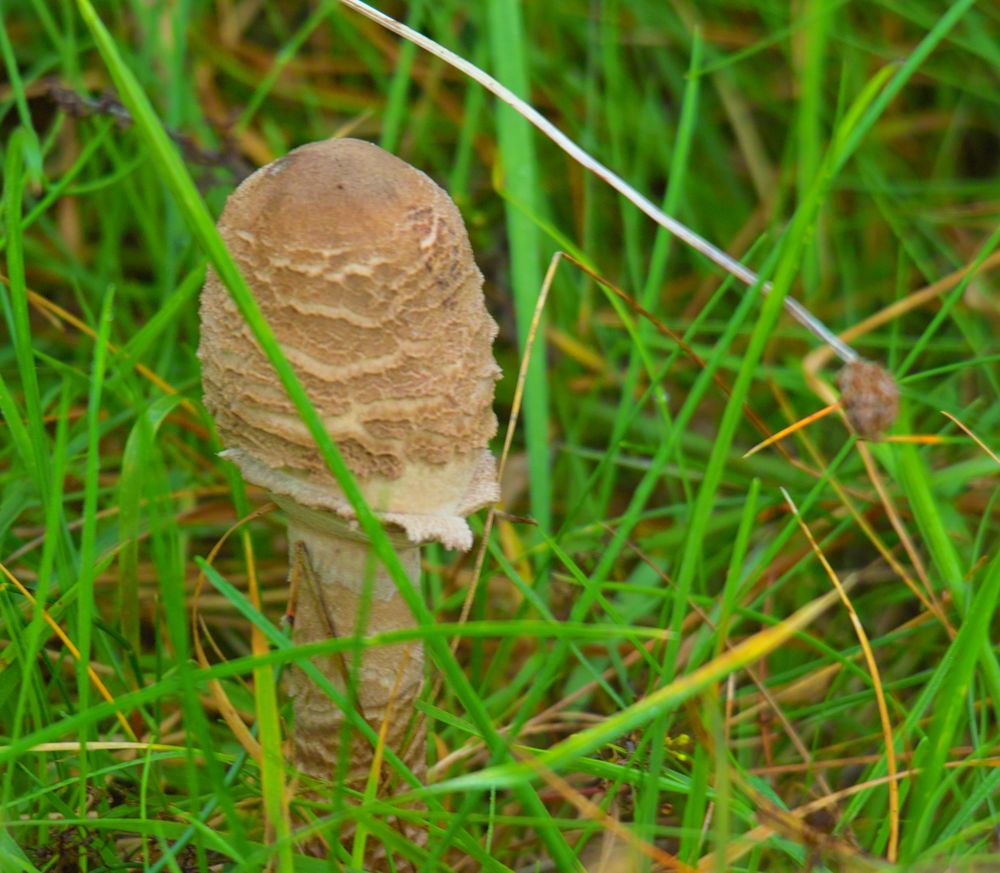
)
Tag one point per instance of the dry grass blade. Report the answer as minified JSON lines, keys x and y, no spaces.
{"x":109,"y":746}
{"x":973,"y":437}
{"x":817,"y":358}
{"x":515,"y":412}
{"x":592,"y":811}
{"x":225,"y":706}
{"x":74,"y":651}
{"x":896,"y":521}
{"x":890,"y":747}
{"x":925,"y":595}
{"x":758,"y":835}
{"x":769,"y":699}
{"x":810,"y":367}
{"x":508,"y":440}
{"x":919,"y":439}
{"x":792,"y":428}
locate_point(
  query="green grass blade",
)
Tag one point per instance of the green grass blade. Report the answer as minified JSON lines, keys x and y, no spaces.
{"x":948,"y":709}
{"x":131,"y":489}
{"x":16,"y":310}
{"x":86,"y":608}
{"x":520,"y":177}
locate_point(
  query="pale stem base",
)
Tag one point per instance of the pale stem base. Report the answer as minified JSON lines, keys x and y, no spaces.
{"x":341,"y":583}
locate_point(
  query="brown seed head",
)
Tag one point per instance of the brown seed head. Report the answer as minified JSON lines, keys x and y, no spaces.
{"x":363,"y":269}
{"x":869,"y":397}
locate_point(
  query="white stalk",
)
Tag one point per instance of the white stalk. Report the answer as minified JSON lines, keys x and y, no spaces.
{"x":337,"y":577}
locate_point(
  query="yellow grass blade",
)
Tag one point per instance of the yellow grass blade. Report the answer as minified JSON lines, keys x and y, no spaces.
{"x":74,"y":651}
{"x":976,"y":439}
{"x":798,"y":425}
{"x":883,"y":709}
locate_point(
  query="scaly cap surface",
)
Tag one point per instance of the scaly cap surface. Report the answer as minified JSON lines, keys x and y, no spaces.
{"x":363,"y":269}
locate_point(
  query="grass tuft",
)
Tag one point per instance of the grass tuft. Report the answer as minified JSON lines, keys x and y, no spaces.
{"x":649,"y":664}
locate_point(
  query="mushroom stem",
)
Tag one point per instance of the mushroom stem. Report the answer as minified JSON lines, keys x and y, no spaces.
{"x":343,"y":590}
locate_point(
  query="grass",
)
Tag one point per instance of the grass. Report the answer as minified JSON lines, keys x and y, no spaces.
{"x":657,"y":668}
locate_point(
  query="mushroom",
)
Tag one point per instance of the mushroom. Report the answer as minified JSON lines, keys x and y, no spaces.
{"x":363,"y":269}
{"x":869,"y":396}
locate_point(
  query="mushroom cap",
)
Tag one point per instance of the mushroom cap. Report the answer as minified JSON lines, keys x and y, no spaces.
{"x":363,"y":269}
{"x":869,"y":396}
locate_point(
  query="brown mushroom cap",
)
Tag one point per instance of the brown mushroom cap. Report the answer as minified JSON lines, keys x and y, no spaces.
{"x":363,"y":269}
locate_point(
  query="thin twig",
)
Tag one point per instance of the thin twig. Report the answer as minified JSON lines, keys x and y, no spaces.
{"x":82,"y":105}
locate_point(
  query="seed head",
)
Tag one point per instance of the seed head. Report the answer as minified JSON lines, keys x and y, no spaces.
{"x":869,"y":396}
